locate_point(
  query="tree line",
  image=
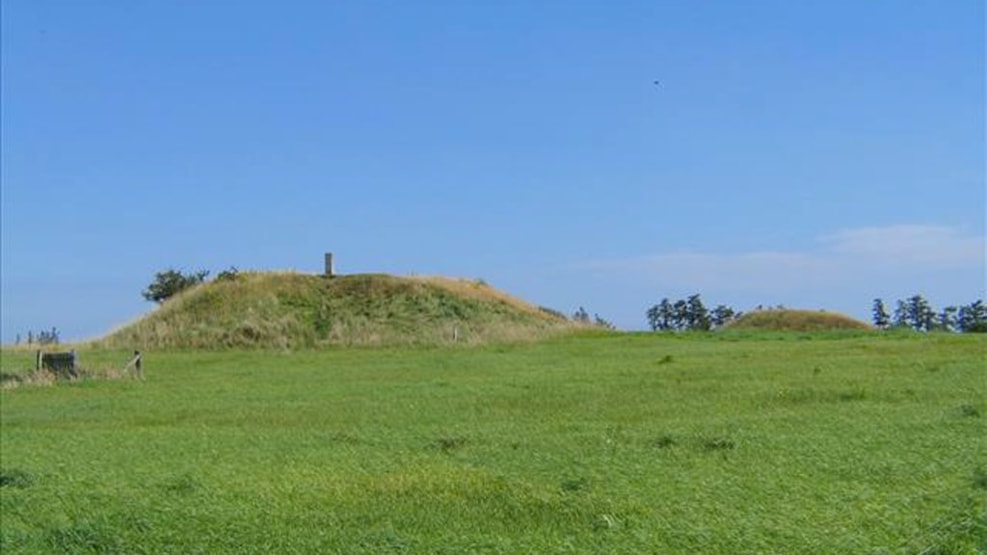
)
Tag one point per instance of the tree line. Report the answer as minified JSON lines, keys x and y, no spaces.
{"x":689,"y":314}
{"x":917,"y":313}
{"x":43,"y":337}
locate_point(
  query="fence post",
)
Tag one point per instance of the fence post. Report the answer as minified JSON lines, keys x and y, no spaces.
{"x":37,"y":367}
{"x":137,"y":364}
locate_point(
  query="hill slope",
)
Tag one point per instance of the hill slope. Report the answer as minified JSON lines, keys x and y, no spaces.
{"x":797,"y":320}
{"x":289,"y":310}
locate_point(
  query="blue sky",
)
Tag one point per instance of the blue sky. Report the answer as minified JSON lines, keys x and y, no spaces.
{"x":811,"y":154}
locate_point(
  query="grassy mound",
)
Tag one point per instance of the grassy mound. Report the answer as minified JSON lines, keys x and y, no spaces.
{"x":290,"y":310}
{"x":797,"y":320}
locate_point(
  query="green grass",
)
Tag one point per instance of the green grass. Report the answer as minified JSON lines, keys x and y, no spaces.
{"x":634,"y":443}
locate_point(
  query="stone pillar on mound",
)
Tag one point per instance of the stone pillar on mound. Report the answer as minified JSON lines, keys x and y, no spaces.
{"x":330,"y":270}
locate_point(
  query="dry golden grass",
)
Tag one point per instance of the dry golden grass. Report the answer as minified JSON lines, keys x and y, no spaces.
{"x":479,"y":290}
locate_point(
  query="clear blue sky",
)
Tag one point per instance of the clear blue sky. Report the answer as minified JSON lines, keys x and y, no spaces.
{"x":811,"y":154}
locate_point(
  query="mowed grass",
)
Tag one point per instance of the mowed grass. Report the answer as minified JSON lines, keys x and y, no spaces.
{"x":633,"y":443}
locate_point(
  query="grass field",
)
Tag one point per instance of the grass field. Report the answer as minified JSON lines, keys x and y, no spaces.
{"x":636,"y":443}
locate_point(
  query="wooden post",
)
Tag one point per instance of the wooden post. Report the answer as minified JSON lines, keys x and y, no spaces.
{"x":137,"y":364}
{"x":37,"y":367}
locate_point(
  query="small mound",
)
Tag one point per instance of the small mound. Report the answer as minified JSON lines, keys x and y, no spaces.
{"x":797,"y":320}
{"x":291,"y":310}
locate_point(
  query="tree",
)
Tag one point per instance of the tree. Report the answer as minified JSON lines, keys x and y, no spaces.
{"x":972,"y":318}
{"x":168,"y":283}
{"x":601,"y":322}
{"x":680,"y":315}
{"x":688,"y":314}
{"x":654,"y":318}
{"x":919,"y":314}
{"x":581,"y":316}
{"x":660,"y":316}
{"x":722,"y":315}
{"x":698,"y":316}
{"x":900,"y":317}
{"x":48,"y":337}
{"x":43,"y":337}
{"x":667,"y":314}
{"x":881,"y":318}
{"x":947,"y":318}
{"x":232,"y":274}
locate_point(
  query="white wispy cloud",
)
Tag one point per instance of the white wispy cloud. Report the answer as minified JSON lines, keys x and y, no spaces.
{"x":907,"y":245}
{"x":708,"y":270}
{"x":887,"y":256}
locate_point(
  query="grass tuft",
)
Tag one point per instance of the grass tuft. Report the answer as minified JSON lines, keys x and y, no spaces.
{"x":15,"y":478}
{"x":448,"y":444}
{"x":664,"y":441}
{"x":85,"y":537}
{"x":574,"y":485}
{"x":969,"y":411}
{"x":181,"y":484}
{"x":718,"y":444}
{"x":979,"y":478}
